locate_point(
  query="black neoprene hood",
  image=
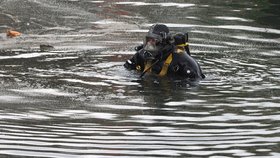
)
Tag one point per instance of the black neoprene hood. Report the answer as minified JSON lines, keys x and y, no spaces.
{"x":158,"y":31}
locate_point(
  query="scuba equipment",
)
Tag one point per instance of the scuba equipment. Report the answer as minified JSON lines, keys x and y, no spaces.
{"x":166,"y":65}
{"x":148,"y":68}
{"x":154,"y":44}
{"x":156,"y":38}
{"x":165,"y":55}
{"x":181,"y":42}
{"x":137,"y":48}
{"x":181,"y":39}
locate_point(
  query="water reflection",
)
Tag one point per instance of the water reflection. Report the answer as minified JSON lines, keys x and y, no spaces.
{"x":78,"y":100}
{"x":269,"y":13}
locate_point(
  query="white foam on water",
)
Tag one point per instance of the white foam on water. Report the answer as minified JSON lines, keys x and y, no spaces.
{"x":73,"y":48}
{"x":10,"y":99}
{"x":43,"y":91}
{"x":86,"y":82}
{"x":256,"y":39}
{"x":60,"y":58}
{"x":118,"y":52}
{"x":178,"y":5}
{"x":2,"y":75}
{"x":207,"y":45}
{"x":191,"y":17}
{"x":82,"y":114}
{"x":134,"y":3}
{"x":123,"y":82}
{"x":132,"y":17}
{"x":106,"y":22}
{"x":26,"y":55}
{"x":140,"y":31}
{"x":123,"y":107}
{"x":97,"y":1}
{"x":232,"y":18}
{"x":169,"y":4}
{"x":21,"y":116}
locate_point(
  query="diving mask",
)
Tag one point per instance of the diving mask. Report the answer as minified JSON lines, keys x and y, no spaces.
{"x":152,"y":45}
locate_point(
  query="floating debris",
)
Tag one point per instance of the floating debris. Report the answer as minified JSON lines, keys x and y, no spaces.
{"x":12,"y":34}
{"x":45,"y":48}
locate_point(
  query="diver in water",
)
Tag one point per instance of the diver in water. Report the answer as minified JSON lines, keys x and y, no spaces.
{"x":165,"y":55}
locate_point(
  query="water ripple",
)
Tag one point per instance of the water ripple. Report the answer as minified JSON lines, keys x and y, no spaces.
{"x":79,"y":101}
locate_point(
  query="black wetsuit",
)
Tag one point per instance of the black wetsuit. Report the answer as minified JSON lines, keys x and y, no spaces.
{"x":182,"y":66}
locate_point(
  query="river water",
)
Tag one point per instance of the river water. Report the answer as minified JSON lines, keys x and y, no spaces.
{"x":77,"y":100}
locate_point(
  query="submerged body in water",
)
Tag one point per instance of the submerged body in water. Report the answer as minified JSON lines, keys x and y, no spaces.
{"x":160,"y":56}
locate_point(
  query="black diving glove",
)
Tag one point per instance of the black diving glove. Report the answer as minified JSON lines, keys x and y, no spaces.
{"x":137,"y":48}
{"x":129,"y":65}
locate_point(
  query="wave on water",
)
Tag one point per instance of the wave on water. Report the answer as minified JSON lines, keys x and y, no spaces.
{"x":78,"y":100}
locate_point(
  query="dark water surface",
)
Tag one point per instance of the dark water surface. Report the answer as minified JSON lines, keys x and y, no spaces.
{"x":78,"y":100}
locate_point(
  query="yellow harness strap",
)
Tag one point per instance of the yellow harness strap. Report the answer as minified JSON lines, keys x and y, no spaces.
{"x":166,"y":65}
{"x":183,"y":45}
{"x":147,"y":65}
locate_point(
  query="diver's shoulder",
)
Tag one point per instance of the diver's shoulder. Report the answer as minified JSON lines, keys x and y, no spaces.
{"x":182,"y":55}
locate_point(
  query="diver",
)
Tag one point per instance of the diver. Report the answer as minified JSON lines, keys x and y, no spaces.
{"x":165,"y":55}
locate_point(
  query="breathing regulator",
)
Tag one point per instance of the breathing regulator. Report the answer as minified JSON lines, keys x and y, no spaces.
{"x":157,"y":38}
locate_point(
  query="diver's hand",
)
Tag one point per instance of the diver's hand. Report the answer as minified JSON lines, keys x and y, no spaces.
{"x":129,"y":65}
{"x":137,"y":48}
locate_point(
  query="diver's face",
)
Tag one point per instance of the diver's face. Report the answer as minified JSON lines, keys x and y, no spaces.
{"x":152,"y":41}
{"x":151,"y":45}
